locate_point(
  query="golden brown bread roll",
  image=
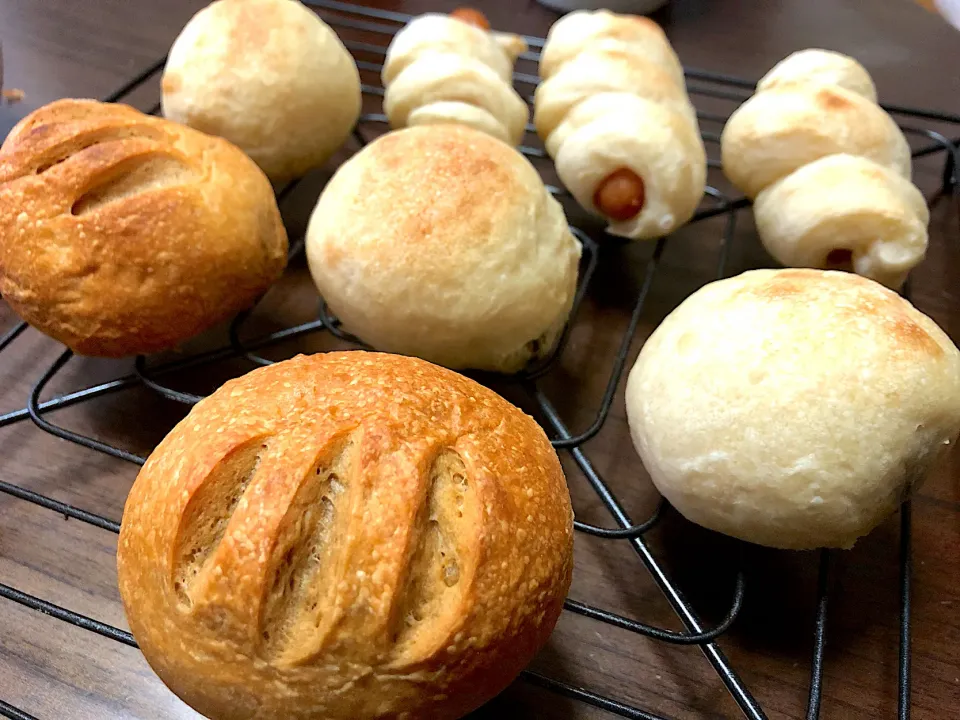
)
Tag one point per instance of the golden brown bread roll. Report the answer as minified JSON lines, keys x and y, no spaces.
{"x":446,"y":69}
{"x":828,"y":169}
{"x":442,"y":242}
{"x":346,"y":536}
{"x":269,"y":76}
{"x":793,"y":408}
{"x":122,"y":233}
{"x":614,"y":114}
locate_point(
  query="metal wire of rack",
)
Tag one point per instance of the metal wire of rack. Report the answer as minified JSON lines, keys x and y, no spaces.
{"x":700,"y":83}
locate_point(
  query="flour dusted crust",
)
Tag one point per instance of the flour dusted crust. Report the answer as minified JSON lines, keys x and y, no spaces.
{"x":122,"y":233}
{"x":442,"y":242}
{"x":793,"y":408}
{"x":440,"y":69}
{"x":344,"y":536}
{"x":613,"y":98}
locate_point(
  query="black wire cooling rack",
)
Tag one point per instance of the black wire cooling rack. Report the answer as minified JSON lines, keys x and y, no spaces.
{"x":701,"y":84}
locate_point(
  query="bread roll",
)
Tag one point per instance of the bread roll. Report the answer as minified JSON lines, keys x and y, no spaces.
{"x":609,"y":131}
{"x":783,"y":128}
{"x":443,"y":242}
{"x":841,"y":207}
{"x":602,"y":29}
{"x":122,"y":233}
{"x":269,"y":76}
{"x":346,"y":536}
{"x":793,"y":408}
{"x":441,"y":69}
{"x":821,"y":67}
{"x":614,"y":114}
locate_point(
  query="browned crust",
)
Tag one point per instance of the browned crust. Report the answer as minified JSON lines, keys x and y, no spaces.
{"x":855,"y":297}
{"x":423,"y":473}
{"x":122,"y":233}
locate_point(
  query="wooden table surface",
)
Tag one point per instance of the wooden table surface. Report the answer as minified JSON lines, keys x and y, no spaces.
{"x":61,"y":48}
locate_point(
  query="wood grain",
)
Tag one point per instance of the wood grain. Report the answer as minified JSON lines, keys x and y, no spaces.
{"x":52,"y":670}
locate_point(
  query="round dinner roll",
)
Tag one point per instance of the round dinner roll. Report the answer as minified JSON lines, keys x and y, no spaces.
{"x":610,"y":131}
{"x":821,"y":67}
{"x":269,"y":76}
{"x":793,"y":408}
{"x":122,"y":233}
{"x":778,"y":130}
{"x":602,"y":29}
{"x":443,"y":242}
{"x":845,"y":208}
{"x":346,"y":536}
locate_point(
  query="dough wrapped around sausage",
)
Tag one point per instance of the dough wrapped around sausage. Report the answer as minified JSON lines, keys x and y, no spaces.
{"x":828,"y":169}
{"x":444,"y":69}
{"x":844,"y":208}
{"x":614,"y":114}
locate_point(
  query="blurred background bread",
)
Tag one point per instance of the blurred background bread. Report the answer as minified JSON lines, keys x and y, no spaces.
{"x":828,"y":170}
{"x":122,"y":233}
{"x":614,"y":114}
{"x":342,"y":536}
{"x":793,"y":408}
{"x":442,"y":242}
{"x":269,"y":76}
{"x":453,"y":69}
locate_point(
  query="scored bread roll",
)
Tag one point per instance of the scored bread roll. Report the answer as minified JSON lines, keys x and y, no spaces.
{"x":447,"y":69}
{"x":821,"y":67}
{"x":269,"y":76}
{"x":346,"y":536}
{"x":443,"y":242}
{"x":122,"y":233}
{"x":793,"y":408}
{"x":614,"y":114}
{"x":781,"y":129}
{"x":844,"y":207}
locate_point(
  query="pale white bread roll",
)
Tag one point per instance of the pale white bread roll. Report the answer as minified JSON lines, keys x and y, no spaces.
{"x":433,"y":32}
{"x":267,"y":75}
{"x":443,"y":242}
{"x":793,"y":408}
{"x":604,"y":70}
{"x":610,"y":131}
{"x":845,"y":203}
{"x":444,"y":77}
{"x":820,"y":67}
{"x":783,"y":128}
{"x":585,"y":30}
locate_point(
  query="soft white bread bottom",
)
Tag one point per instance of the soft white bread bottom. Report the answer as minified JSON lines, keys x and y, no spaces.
{"x":845,"y":203}
{"x":610,"y":131}
{"x":793,"y":408}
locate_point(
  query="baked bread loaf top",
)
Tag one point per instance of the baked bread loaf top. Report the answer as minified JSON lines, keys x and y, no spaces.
{"x":344,"y":536}
{"x":269,"y":76}
{"x":442,"y":242}
{"x":793,"y":408}
{"x":122,"y":233}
